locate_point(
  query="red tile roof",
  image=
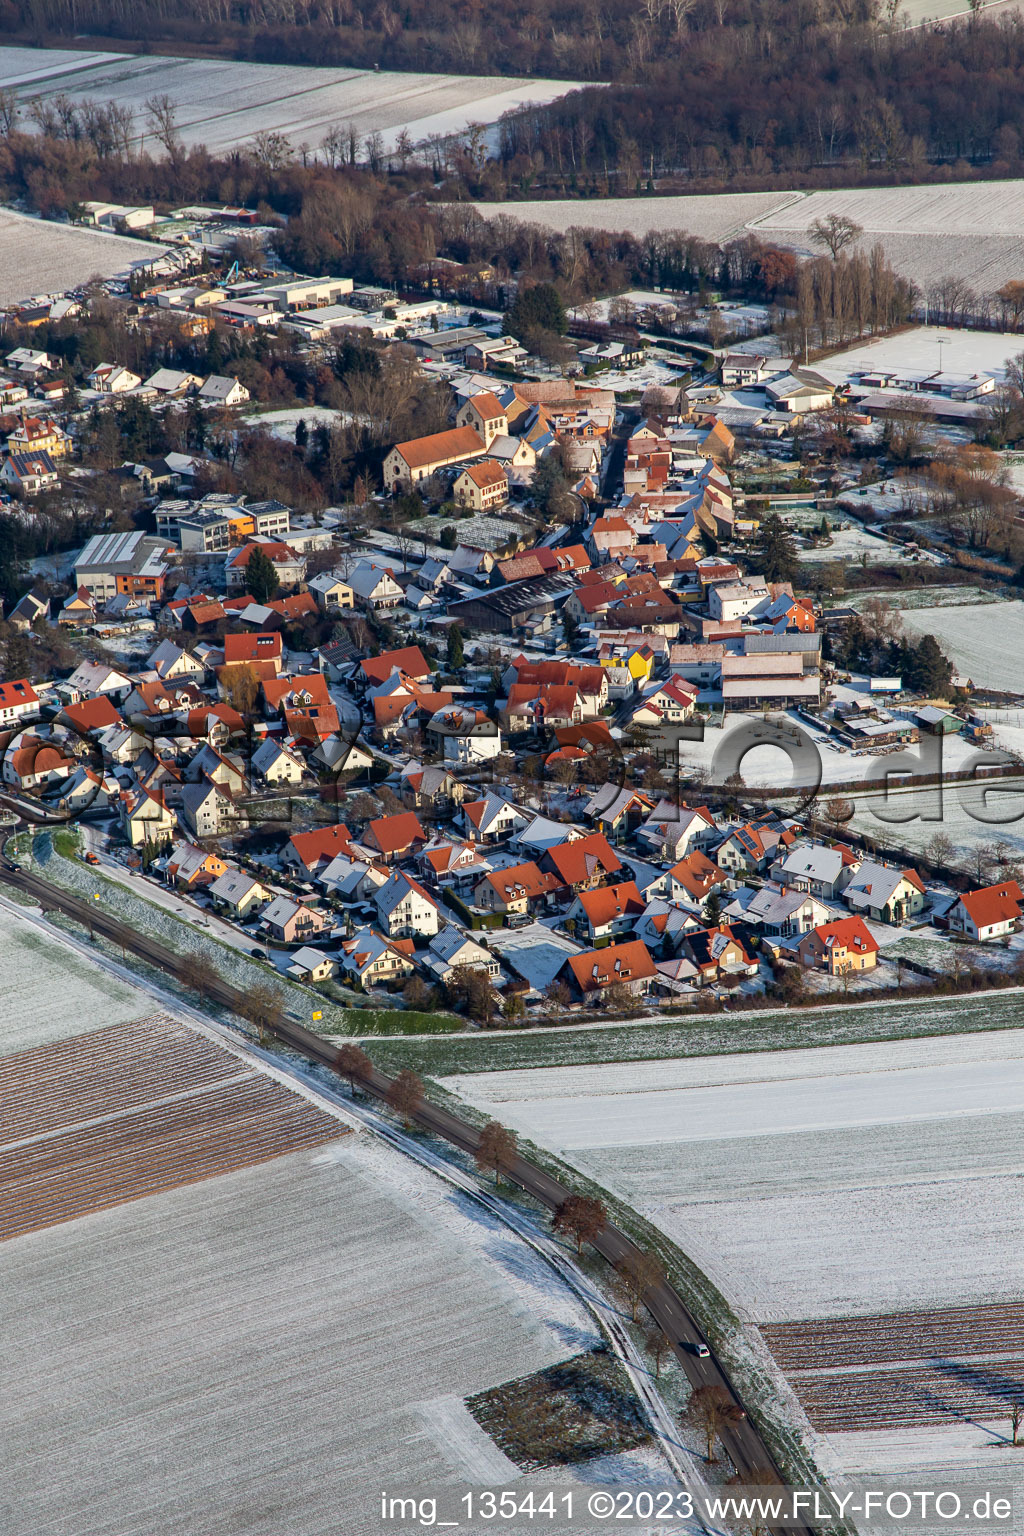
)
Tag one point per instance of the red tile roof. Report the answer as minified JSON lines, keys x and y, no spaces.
{"x":583,"y":859}
{"x":611,"y":901}
{"x":599,"y":968}
{"x":993,"y":904}
{"x":408,"y":659}
{"x":394,"y":834}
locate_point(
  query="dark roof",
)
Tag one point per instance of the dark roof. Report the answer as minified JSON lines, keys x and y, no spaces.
{"x":510,"y":600}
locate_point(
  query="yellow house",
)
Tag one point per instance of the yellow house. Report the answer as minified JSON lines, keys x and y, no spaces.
{"x":639,"y":662}
{"x":37,"y":434}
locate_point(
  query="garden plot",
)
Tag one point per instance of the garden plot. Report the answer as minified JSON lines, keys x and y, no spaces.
{"x":221,"y":103}
{"x":79,"y":995}
{"x":857,"y":544}
{"x":37,"y":256}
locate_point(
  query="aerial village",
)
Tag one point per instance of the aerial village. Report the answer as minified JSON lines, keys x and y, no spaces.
{"x":438,"y":745}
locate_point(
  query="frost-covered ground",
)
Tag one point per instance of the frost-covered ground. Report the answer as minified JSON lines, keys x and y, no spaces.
{"x":850,"y":544}
{"x":282,"y":424}
{"x":221,"y":103}
{"x":821,"y":1183}
{"x":917,"y":350}
{"x":240,"y":1354}
{"x":967,"y":230}
{"x":39,"y":257}
{"x":712,"y":218}
{"x":923,"y":597}
{"x":48,"y":993}
{"x":985,"y":642}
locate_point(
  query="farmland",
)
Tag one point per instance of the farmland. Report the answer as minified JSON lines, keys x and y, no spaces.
{"x":59,"y":257}
{"x":860,"y":1203}
{"x":80,"y":995}
{"x":232,"y":1343}
{"x":983,"y":643}
{"x":929,"y":233}
{"x":222,"y":103}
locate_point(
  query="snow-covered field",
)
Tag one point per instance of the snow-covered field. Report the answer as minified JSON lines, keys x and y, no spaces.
{"x":972,"y":815}
{"x":39,"y":257}
{"x":712,"y":218}
{"x":984,"y":641}
{"x":48,"y":993}
{"x":968,"y":229}
{"x":282,"y":424}
{"x":850,"y":544}
{"x":917,"y":350}
{"x":823,"y":1183}
{"x":221,"y":103}
{"x":239,"y":1354}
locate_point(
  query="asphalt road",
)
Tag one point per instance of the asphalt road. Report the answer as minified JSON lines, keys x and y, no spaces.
{"x":741,"y":1440}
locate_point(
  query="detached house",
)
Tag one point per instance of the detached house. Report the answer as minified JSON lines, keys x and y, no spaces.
{"x":607,"y":912}
{"x":371,"y":959}
{"x":988,"y":913}
{"x":18,"y":701}
{"x":404,"y":909}
{"x":885,"y":894}
{"x":29,"y":473}
{"x":594,"y":971}
{"x":582,"y":863}
{"x":481,"y":486}
{"x":393,"y":837}
{"x":517,"y":890}
{"x":291,"y":922}
{"x":845,"y":945}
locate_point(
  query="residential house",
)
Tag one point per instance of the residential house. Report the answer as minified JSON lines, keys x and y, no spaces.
{"x":18,"y":701}
{"x":31,"y":761}
{"x":331,"y":592}
{"x":310,"y":965}
{"x":749,"y":848}
{"x":825,"y":872}
{"x":482,"y":486}
{"x":405,"y":909}
{"x":606,"y":912}
{"x":433,"y":789}
{"x":987,"y":913}
{"x":692,"y":879}
{"x":146,"y":817}
{"x":673,"y":830}
{"x":595,"y":970}
{"x":112,"y":379}
{"x":192,"y":867}
{"x":276,"y":764}
{"x":288,"y":563}
{"x":220,"y":390}
{"x":238,"y":893}
{"x":28,"y":610}
{"x":264,"y":650}
{"x":610,"y":808}
{"x":207,"y":810}
{"x":780,"y":911}
{"x":885,"y":893}
{"x":307,"y":853}
{"x":38,"y":434}
{"x":582,"y":863}
{"x":839,"y":947}
{"x":374,"y":585}
{"x":29,"y":473}
{"x":371,"y":959}
{"x":451,"y":949}
{"x":491,"y":819}
{"x":463,"y":735}
{"x":394,"y":837}
{"x":290,"y":922}
{"x":518,"y":889}
{"x":717,"y":952}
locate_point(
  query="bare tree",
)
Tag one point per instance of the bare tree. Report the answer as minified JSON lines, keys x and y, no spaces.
{"x":940,"y":848}
{"x":352,"y":1062}
{"x":657,"y":1345}
{"x":838,"y":810}
{"x":835,"y":232}
{"x":1016,"y":1419}
{"x":162,"y":116}
{"x":709,"y":1410}
{"x":636,"y":1275}
{"x":496,"y":1150}
{"x":582,"y":1218}
{"x":406,"y":1095}
{"x":8,"y":111}
{"x":199,"y":974}
{"x":263,"y":1007}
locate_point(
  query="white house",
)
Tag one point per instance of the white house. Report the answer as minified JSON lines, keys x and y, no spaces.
{"x":374,"y":586}
{"x":275,"y":764}
{"x":404,"y":909}
{"x":988,"y":913}
{"x":219,"y":390}
{"x":112,"y":379}
{"x":463,"y":735}
{"x":451,"y":948}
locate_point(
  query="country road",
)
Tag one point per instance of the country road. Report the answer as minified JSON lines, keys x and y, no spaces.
{"x":741,"y":1440}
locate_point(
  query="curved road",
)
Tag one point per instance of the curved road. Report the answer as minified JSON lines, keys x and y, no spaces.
{"x":740,"y":1440}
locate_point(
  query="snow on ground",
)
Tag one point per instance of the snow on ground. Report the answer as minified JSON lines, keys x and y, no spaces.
{"x":927,"y":232}
{"x":262,"y":1339}
{"x":282,"y":424}
{"x":712,"y":218}
{"x":221,"y":103}
{"x":984,"y":642}
{"x":837,"y":1181}
{"x":37,"y":256}
{"x":922,"y":597}
{"x":917,"y":350}
{"x":76,"y":995}
{"x":849,"y":544}
{"x":974,"y":816}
